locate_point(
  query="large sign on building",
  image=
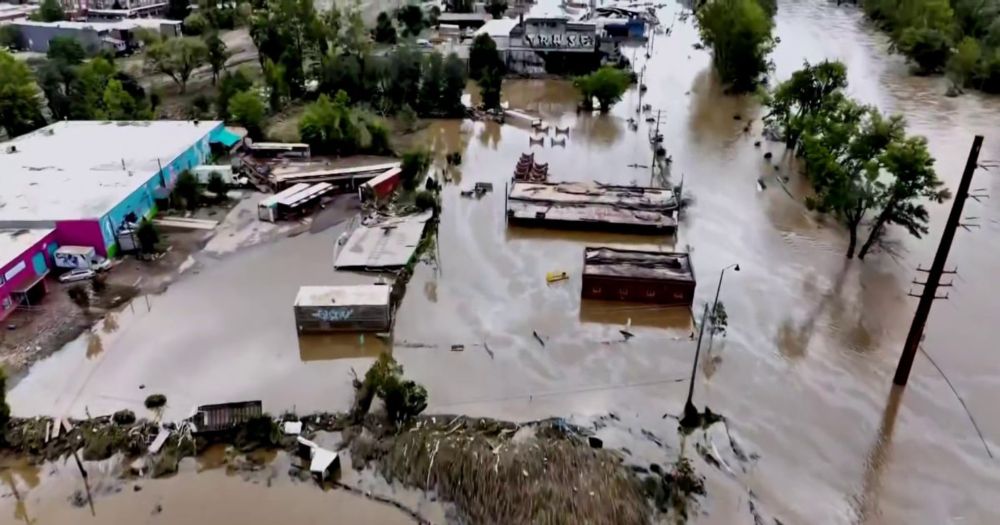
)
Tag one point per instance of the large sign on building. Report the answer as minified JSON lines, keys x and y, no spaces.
{"x":561,"y":41}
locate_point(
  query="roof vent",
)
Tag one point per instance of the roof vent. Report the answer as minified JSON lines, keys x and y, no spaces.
{"x":12,"y":149}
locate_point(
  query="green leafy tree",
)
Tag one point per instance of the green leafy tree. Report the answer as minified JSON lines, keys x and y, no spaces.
{"x":232,"y":82}
{"x":343,"y":72}
{"x":928,"y":48}
{"x":962,"y":64}
{"x":490,"y":87}
{"x":50,"y":11}
{"x":20,"y":107}
{"x":218,"y":186}
{"x":412,"y":18}
{"x":453,"y":86}
{"x":177,"y":58}
{"x":277,"y":84}
{"x":117,"y":103}
{"x":384,"y":32}
{"x":483,"y":55}
{"x":10,"y":38}
{"x":195,"y":24}
{"x":332,"y":126}
{"x":796,"y":101}
{"x":217,"y":55}
{"x":249,"y":111}
{"x":66,"y":50}
{"x":86,"y":95}
{"x":287,"y":33}
{"x":187,"y":190}
{"x":148,"y":237}
{"x":739,"y":33}
{"x":400,"y":76}
{"x":429,"y":99}
{"x":913,"y":181}
{"x":414,"y":167}
{"x":607,"y":85}
{"x":496,"y":8}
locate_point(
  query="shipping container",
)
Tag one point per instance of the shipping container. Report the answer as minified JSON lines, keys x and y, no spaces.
{"x":360,"y":308}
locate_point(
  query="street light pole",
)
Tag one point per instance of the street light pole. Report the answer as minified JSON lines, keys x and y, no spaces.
{"x":691,"y":417}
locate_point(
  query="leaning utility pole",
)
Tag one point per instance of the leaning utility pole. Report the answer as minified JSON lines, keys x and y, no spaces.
{"x":937,"y":268}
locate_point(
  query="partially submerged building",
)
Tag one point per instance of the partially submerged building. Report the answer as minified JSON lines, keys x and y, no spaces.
{"x":641,"y":276}
{"x":359,"y":308}
{"x":592,"y":206}
{"x":546,"y":43}
{"x":85,"y":179}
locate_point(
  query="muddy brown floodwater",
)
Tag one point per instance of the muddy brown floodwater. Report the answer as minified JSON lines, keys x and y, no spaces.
{"x":803,"y":374}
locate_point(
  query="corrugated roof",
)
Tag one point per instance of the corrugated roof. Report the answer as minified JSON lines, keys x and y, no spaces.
{"x":389,"y":244}
{"x":611,"y":262}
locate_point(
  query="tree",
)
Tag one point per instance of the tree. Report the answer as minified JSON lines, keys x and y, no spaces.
{"x":453,"y":86}
{"x":483,"y":55}
{"x":412,"y":18}
{"x":186,"y":189}
{"x":913,"y":180}
{"x":86,"y":91}
{"x":400,"y":77}
{"x":148,"y":237}
{"x":962,"y":64}
{"x":384,"y":32}
{"x":496,"y":8}
{"x":177,"y":58}
{"x":413,"y":167}
{"x":50,"y":11}
{"x":248,"y":110}
{"x":278,"y":88}
{"x":797,"y":100}
{"x":607,"y":85}
{"x":333,"y":126}
{"x":195,"y":24}
{"x":218,"y":186}
{"x":217,"y":54}
{"x":177,"y":9}
{"x":118,"y":104}
{"x":67,"y":50}
{"x":10,"y":37}
{"x":232,"y":83}
{"x":739,"y":33}
{"x":429,"y":99}
{"x":928,"y":48}
{"x":490,"y":87}
{"x":20,"y":107}
{"x":286,"y":33}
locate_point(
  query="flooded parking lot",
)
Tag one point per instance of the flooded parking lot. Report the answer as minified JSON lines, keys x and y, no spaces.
{"x":803,"y":375}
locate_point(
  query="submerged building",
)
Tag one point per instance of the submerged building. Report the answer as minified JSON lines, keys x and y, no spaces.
{"x":548,"y":43}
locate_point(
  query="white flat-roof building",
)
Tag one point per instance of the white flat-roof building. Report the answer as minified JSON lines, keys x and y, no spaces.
{"x":85,"y":177}
{"x":25,"y":257}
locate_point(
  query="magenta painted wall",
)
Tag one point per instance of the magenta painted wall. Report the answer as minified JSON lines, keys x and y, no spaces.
{"x":25,"y":274}
{"x":81,"y":233}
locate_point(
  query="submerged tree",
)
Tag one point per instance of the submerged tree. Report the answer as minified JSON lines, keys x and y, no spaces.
{"x":607,"y":85}
{"x":739,"y":33}
{"x":796,"y":101}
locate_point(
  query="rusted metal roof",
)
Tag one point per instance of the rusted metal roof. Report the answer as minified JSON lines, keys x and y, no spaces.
{"x":636,"y":264}
{"x":580,"y":203}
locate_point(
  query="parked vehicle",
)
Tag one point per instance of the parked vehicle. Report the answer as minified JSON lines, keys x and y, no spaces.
{"x":80,"y":274}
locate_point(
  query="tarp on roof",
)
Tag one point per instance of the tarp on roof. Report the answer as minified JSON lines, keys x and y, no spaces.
{"x":226,"y":137}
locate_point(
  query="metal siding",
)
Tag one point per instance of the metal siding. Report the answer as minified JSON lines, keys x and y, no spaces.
{"x":342,"y":318}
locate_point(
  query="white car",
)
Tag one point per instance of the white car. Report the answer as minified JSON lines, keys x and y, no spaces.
{"x":80,"y":274}
{"x":100,"y":264}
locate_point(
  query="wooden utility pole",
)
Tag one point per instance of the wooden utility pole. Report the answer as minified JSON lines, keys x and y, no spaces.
{"x":937,"y":268}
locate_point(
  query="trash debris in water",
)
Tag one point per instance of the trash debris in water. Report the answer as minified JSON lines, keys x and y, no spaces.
{"x":552,"y":277}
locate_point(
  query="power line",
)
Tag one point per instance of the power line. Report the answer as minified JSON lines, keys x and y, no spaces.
{"x":554,"y":393}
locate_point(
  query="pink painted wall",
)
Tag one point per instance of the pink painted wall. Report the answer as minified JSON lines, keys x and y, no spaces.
{"x":26,"y":274}
{"x":81,"y":233}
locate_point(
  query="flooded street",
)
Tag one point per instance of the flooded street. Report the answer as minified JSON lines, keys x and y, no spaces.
{"x":803,"y":375}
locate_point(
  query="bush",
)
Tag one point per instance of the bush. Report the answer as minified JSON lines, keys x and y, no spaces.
{"x":217,"y":186}
{"x":156,"y":401}
{"x":425,"y":200}
{"x":607,"y":85}
{"x":248,"y":110}
{"x":739,"y":33}
{"x":186,"y":189}
{"x":928,"y":48}
{"x":414,"y":167}
{"x":195,"y":25}
{"x":385,"y":32}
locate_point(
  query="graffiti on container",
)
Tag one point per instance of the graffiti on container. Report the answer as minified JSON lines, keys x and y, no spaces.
{"x":333,"y":314}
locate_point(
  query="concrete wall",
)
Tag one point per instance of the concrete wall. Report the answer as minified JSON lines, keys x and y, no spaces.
{"x":29,"y":269}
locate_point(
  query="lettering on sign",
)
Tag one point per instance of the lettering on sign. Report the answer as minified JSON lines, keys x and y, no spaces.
{"x":332,"y":315}
{"x":560,"y":41}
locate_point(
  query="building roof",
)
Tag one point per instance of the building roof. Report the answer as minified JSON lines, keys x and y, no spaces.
{"x":126,"y":24}
{"x":463,"y":17}
{"x":357,"y":295}
{"x":14,"y":242}
{"x":589,"y":193}
{"x":637,"y":264}
{"x":498,"y":28}
{"x":389,"y":244}
{"x":82,"y":169}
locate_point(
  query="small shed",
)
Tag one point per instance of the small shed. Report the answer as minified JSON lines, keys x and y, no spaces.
{"x":358,"y":308}
{"x":641,"y":276}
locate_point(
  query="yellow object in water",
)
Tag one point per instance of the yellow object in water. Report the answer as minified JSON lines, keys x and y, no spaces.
{"x":556,"y":276}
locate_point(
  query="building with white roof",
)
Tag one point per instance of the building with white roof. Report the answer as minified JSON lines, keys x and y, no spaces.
{"x":84,"y":178}
{"x":25,"y":255}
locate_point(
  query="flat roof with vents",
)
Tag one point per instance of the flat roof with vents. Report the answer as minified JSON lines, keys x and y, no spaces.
{"x":82,"y":169}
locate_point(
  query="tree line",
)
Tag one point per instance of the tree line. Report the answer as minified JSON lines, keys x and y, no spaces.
{"x":865,"y":170}
{"x":958,"y":37}
{"x":739,"y":34}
